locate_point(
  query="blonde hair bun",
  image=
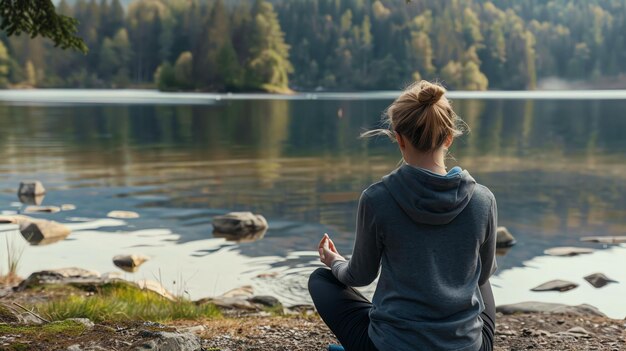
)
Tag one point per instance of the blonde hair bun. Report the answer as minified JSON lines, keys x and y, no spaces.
{"x":429,"y":93}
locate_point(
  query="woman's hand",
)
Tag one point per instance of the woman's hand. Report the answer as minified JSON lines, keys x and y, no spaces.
{"x":328,"y":251}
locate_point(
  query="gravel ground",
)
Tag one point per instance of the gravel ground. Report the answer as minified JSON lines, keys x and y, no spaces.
{"x":299,"y":333}
{"x":514,"y":332}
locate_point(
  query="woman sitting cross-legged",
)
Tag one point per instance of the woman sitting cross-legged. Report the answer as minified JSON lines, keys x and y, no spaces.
{"x":431,"y":233}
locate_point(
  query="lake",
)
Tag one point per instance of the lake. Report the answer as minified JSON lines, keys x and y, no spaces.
{"x":556,"y":162}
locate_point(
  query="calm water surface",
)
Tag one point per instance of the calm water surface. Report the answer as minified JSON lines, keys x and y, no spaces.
{"x":557,"y":168}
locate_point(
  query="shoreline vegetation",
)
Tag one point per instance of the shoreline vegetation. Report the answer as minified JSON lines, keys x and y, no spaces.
{"x":71,"y":310}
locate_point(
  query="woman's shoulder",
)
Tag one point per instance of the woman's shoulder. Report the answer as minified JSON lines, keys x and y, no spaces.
{"x":374,"y":192}
{"x":483,"y":194}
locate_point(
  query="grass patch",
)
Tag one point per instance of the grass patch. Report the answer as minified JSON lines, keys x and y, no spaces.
{"x":56,"y":329}
{"x":13,"y":257}
{"x":123,"y":301}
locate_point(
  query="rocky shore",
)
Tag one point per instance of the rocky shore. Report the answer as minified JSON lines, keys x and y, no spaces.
{"x":243,"y":321}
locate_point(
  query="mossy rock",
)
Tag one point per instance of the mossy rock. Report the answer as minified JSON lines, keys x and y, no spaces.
{"x":7,"y":316}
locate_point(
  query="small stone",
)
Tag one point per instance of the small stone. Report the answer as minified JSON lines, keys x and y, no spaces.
{"x":245,"y":291}
{"x":31,"y":188}
{"x":130,"y":263}
{"x":580,"y":331}
{"x":598,"y":280}
{"x":42,"y":232}
{"x":504,"y":238}
{"x":265,"y":300}
{"x":568,"y":251}
{"x":42,"y":209}
{"x":156,"y":287}
{"x":555,"y":285}
{"x":605,"y":239}
{"x":168,"y":341}
{"x":123,"y":214}
{"x":267,"y":275}
{"x":197,"y":329}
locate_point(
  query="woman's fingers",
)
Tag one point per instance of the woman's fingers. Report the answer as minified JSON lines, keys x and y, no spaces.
{"x":332,"y":246}
{"x":324,"y":238}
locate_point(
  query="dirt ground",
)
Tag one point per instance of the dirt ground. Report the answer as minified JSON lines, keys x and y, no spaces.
{"x":300,"y":333}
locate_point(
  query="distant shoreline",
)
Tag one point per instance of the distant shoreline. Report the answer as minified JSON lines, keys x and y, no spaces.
{"x":148,"y":96}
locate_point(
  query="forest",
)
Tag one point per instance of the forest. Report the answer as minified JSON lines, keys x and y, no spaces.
{"x":305,"y":45}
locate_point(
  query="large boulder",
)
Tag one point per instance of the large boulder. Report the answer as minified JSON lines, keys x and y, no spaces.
{"x":130,"y":263}
{"x":42,"y":232}
{"x":239,"y":225}
{"x":546,"y":307}
{"x":504,"y":238}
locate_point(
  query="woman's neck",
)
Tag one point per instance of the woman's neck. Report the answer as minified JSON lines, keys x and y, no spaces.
{"x":433,"y":162}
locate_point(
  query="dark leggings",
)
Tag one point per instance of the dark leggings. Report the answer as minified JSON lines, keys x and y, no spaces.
{"x":346,"y":311}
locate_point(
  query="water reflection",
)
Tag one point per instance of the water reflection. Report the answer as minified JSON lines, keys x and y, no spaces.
{"x":557,"y":169}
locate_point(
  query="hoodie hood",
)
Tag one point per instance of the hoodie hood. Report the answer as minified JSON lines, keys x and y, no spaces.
{"x":427,"y":197}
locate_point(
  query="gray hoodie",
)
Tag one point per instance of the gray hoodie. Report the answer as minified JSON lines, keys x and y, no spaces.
{"x":433,"y":239}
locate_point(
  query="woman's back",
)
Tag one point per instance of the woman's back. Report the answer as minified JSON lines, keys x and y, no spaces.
{"x":433,"y":233}
{"x":431,"y":229}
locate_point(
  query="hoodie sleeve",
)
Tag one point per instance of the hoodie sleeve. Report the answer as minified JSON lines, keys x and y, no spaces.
{"x":488,"y":248}
{"x":363,"y":266}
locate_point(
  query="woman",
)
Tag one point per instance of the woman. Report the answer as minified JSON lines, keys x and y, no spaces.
{"x":432,"y":235}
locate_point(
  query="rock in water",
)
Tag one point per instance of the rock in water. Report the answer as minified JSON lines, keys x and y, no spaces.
{"x":556,"y":285}
{"x":605,"y":239}
{"x":123,"y":214}
{"x":130,"y":263}
{"x":31,"y":188}
{"x":239,"y":224}
{"x":546,"y":307}
{"x":568,"y":251}
{"x":42,"y":209}
{"x":68,"y":207}
{"x":242,"y":238}
{"x":599,"y":280}
{"x":31,"y":192}
{"x":504,"y":238}
{"x":43,"y":232}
